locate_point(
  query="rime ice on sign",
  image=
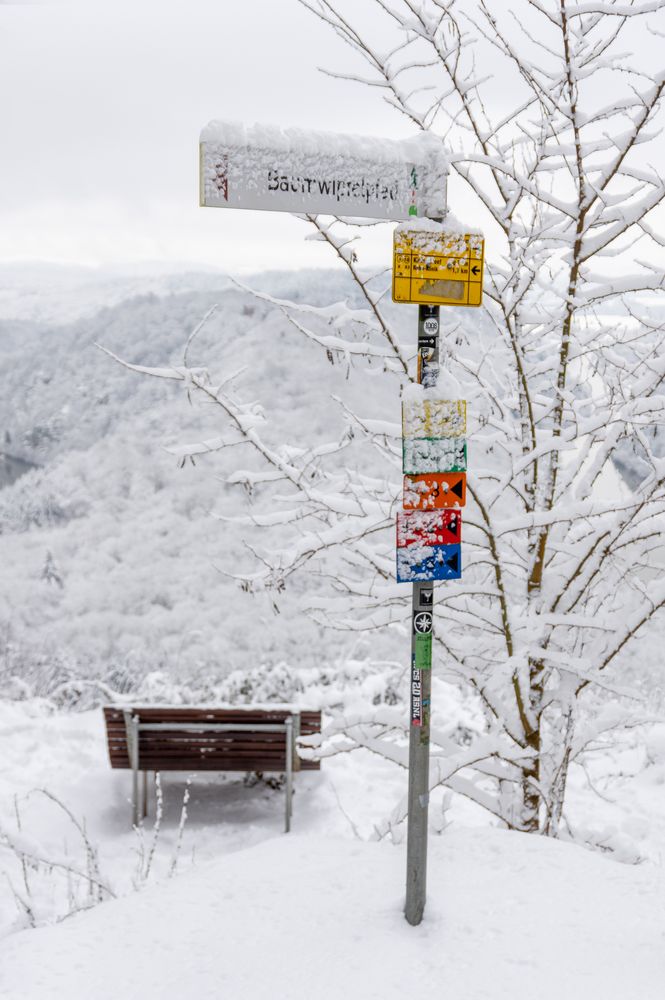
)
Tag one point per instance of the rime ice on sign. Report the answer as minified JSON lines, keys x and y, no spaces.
{"x":292,"y":170}
{"x":434,"y":491}
{"x":433,"y":455}
{"x":439,"y":267}
{"x":433,"y":418}
{"x":417,"y":563}
{"x":425,"y":527}
{"x":434,"y":460}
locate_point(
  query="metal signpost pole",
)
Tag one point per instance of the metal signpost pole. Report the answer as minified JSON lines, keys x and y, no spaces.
{"x":421,"y":672}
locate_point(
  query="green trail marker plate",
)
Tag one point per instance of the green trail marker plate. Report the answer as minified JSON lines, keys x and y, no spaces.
{"x":447,"y":454}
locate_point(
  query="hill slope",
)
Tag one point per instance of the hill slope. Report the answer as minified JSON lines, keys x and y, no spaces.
{"x":297,"y":917}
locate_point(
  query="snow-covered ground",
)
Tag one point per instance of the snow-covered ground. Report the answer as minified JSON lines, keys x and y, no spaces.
{"x":304,"y":916}
{"x":307,"y":915}
{"x":252,"y":912}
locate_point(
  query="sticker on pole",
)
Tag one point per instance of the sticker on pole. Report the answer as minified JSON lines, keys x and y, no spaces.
{"x":422,"y":622}
{"x":423,"y":651}
{"x":293,"y":170}
{"x":434,"y":491}
{"x":433,"y":418}
{"x":436,"y":267}
{"x":416,"y":564}
{"x":416,"y":695}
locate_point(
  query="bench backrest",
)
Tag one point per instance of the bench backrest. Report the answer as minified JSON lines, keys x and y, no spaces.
{"x":170,"y":748}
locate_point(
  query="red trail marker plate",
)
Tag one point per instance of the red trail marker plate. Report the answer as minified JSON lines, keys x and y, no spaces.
{"x":428,"y":527}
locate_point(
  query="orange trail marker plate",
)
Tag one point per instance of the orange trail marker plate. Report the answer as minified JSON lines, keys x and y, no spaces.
{"x":434,"y":491}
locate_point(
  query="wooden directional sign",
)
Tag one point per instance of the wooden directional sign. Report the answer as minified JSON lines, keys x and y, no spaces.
{"x":446,"y":454}
{"x":433,"y":418}
{"x":434,"y":491}
{"x":438,"y":267}
{"x":292,"y":170}
{"x":428,"y":527}
{"x":434,"y":562}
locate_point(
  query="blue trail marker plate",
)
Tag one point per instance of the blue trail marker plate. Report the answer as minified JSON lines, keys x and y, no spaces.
{"x":429,"y":562}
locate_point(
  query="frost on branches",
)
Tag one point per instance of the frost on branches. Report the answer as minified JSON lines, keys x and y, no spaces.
{"x":564,"y":372}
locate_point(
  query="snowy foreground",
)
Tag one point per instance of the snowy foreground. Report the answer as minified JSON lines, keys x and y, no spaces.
{"x":301,"y":916}
{"x":252,"y":913}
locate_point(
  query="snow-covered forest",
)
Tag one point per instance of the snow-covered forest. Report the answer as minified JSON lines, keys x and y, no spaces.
{"x":199,"y":479}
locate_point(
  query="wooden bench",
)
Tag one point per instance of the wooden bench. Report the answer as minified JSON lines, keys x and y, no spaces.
{"x":154,"y":738}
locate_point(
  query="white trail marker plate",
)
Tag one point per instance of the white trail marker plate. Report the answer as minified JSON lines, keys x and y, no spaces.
{"x":293,"y":170}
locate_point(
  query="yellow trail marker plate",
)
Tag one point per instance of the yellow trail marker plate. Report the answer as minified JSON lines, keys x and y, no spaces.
{"x":433,"y":418}
{"x":439,"y":268}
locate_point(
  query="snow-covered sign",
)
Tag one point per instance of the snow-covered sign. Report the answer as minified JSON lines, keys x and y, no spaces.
{"x":434,"y":491}
{"x":446,"y":454}
{"x":437,"y":266}
{"x":292,"y":170}
{"x":428,"y":546}
{"x":418,"y":563}
{"x":425,"y":417}
{"x":424,"y":527}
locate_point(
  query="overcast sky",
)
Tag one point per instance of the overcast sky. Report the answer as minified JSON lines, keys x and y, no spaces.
{"x":100,"y":111}
{"x":100,"y":115}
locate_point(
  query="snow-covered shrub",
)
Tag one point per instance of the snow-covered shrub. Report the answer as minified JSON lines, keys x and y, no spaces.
{"x":48,"y":887}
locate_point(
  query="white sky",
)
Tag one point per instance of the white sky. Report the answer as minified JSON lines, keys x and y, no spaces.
{"x":100,"y":115}
{"x":100,"y":112}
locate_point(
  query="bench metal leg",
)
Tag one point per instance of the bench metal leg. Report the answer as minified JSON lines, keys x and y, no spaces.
{"x":289,"y":774}
{"x":132,"y":735}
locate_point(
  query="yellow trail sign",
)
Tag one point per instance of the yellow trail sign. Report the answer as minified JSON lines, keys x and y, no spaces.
{"x":438,"y":268}
{"x":433,"y":418}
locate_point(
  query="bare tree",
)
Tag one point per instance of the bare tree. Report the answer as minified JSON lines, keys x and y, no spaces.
{"x":565,"y":367}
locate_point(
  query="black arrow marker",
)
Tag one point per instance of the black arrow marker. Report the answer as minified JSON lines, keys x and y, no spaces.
{"x":474,"y":269}
{"x":458,"y":488}
{"x":453,"y":562}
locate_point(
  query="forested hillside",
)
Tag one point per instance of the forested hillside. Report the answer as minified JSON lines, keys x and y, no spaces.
{"x":115,"y":563}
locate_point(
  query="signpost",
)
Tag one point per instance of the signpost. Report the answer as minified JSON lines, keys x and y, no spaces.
{"x":271,"y":169}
